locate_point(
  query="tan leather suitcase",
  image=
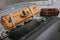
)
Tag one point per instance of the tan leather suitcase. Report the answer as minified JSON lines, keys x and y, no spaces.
{"x":18,"y":16}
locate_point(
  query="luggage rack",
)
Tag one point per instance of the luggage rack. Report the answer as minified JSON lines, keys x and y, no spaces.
{"x":30,"y":27}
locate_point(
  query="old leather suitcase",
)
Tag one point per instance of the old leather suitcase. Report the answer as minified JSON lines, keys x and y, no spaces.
{"x":18,"y":16}
{"x":49,"y":12}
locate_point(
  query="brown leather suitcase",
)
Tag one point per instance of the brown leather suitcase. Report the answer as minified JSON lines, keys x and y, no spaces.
{"x":49,"y":12}
{"x":18,"y":16}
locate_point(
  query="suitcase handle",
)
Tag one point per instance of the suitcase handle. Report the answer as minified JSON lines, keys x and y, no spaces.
{"x":24,"y":14}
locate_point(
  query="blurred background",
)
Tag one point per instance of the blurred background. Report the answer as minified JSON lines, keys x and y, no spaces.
{"x":9,"y":2}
